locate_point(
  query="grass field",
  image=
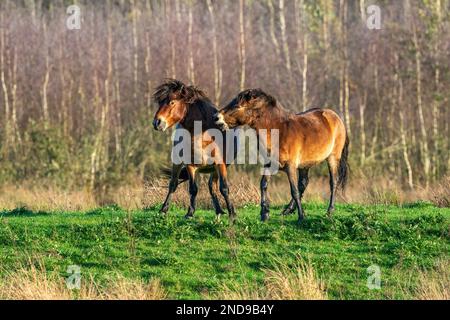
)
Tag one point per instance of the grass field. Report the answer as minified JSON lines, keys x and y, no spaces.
{"x":206,"y":258}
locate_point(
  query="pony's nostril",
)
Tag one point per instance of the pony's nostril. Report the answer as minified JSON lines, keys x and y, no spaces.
{"x":216,"y":117}
{"x":156,"y":123}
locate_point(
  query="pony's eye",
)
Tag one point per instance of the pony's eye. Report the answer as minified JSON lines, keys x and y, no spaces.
{"x":172,"y":103}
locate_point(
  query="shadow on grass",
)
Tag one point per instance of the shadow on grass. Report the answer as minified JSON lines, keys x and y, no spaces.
{"x":22,"y":212}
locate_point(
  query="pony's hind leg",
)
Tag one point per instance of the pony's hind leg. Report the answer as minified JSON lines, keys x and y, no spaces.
{"x":223,"y":186}
{"x":264,"y":200}
{"x":212,"y":185}
{"x":193,"y":190}
{"x":303,"y":180}
{"x":333,"y":171}
{"x":173,"y":184}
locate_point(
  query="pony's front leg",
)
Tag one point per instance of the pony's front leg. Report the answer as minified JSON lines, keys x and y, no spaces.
{"x":303,"y":180}
{"x":173,"y":184}
{"x":264,"y":200}
{"x":224,"y":190}
{"x":289,"y":208}
{"x":193,"y":190}
{"x":291,"y":172}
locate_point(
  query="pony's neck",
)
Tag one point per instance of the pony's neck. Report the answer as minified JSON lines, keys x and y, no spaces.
{"x":199,"y":110}
{"x":270,"y":117}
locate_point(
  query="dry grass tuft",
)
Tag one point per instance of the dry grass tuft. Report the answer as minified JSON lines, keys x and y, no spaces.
{"x":435,"y":285}
{"x":281,"y":283}
{"x":244,"y":192}
{"x":33,"y":284}
{"x":45,"y":199}
{"x":36,"y":284}
{"x":126,"y":289}
{"x":301,"y":283}
{"x":244,"y":189}
{"x":440,"y":193}
{"x":245,"y":291}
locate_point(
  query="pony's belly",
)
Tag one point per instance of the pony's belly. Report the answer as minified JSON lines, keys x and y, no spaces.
{"x":308,"y":164}
{"x":309,"y":157}
{"x":313,"y":159}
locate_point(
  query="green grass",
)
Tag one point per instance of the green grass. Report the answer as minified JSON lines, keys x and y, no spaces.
{"x":198,"y":256}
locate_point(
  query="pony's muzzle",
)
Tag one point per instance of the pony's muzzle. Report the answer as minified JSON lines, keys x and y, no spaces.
{"x":220,"y":121}
{"x":159,"y":125}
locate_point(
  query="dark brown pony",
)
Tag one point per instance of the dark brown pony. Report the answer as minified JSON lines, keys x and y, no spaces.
{"x":181,"y":105}
{"x":305,"y":140}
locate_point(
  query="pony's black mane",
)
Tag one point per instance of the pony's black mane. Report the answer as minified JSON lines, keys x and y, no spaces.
{"x":250,"y":94}
{"x":178,"y":89}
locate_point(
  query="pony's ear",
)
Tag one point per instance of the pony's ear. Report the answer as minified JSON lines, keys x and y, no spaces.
{"x":182,"y":91}
{"x":247,"y":96}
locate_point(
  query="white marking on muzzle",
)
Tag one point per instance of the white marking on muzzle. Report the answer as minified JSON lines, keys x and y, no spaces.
{"x":164,"y":122}
{"x":221,"y":122}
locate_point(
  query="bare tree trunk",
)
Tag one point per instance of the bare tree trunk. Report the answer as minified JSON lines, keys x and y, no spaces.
{"x":400,"y":106}
{"x":148,"y":57}
{"x":272,"y":28}
{"x":362,"y":108}
{"x":99,"y":153}
{"x":134,"y":17}
{"x":64,"y":108}
{"x":117,"y":98}
{"x":362,"y":10}
{"x":423,"y":130}
{"x":217,"y":68}
{"x":346,"y":84}
{"x":405,"y":151}
{"x":147,"y":61}
{"x":46,"y":81}
{"x":242,"y":57}
{"x":191,"y":69}
{"x":302,"y":50}
{"x":376,"y":130}
{"x":326,"y":45}
{"x":15,"y":127}
{"x":435,"y":104}
{"x":177,"y":10}
{"x":5,"y":90}
{"x":173,"y":71}
{"x":342,"y":62}
{"x":284,"y":39}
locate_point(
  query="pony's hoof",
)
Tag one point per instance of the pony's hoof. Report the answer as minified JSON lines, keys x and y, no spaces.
{"x":163,"y":214}
{"x":264,"y":216}
{"x":232,"y":218}
{"x":330,"y":212}
{"x":300,"y":221}
{"x":188,"y":216}
{"x":287,"y":212}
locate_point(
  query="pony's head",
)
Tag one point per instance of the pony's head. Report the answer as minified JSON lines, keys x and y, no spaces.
{"x":173,"y":98}
{"x":244,"y":109}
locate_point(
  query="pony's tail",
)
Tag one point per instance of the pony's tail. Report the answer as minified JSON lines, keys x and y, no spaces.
{"x":167,"y":173}
{"x":344,"y":168}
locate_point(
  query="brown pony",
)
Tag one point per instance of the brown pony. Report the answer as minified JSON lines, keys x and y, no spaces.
{"x":305,"y":139}
{"x":181,"y":105}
